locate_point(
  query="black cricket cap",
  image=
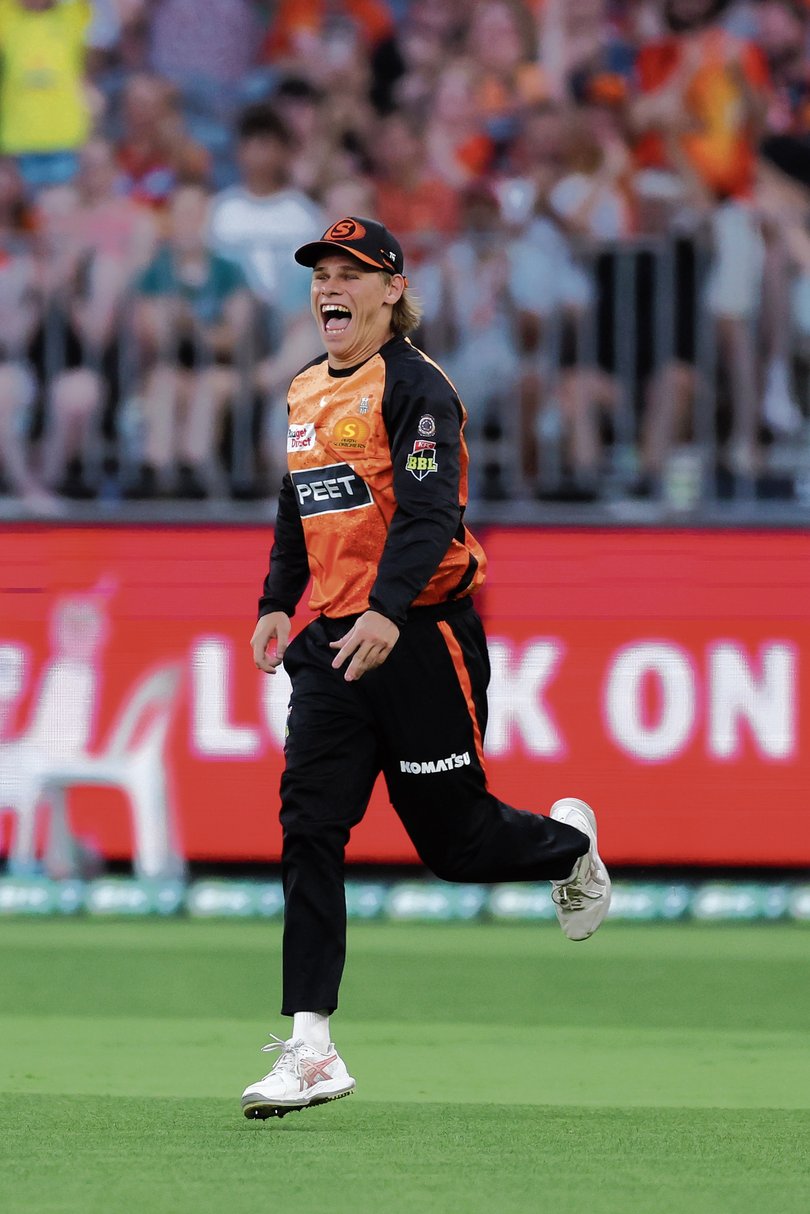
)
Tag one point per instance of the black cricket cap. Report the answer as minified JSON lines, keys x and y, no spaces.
{"x":366,"y":239}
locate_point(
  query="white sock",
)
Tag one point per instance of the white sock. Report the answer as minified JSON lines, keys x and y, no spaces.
{"x":313,"y":1028}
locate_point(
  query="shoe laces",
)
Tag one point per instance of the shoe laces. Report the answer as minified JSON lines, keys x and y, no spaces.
{"x":289,"y":1060}
{"x":574,"y":893}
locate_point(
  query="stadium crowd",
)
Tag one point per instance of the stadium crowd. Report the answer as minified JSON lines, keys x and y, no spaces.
{"x":603,"y":204}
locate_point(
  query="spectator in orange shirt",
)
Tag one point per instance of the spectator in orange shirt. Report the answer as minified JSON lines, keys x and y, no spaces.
{"x":156,"y":152}
{"x":298,"y":26}
{"x":700,"y":114}
{"x":703,"y":100}
{"x":503,"y":44}
{"x":459,"y":149}
{"x":412,"y":200}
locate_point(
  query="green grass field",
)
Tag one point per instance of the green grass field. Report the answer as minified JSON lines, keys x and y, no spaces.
{"x":653,"y":1070}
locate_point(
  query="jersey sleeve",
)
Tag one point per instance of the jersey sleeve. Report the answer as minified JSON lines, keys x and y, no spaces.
{"x":423,"y":420}
{"x":288,"y":574}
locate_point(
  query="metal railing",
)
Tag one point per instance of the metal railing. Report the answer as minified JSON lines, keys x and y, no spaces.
{"x":647,"y":314}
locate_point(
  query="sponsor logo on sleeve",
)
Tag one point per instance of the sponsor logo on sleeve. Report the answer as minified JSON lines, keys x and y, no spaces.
{"x":330,"y":489}
{"x":422,"y":460}
{"x":427,"y":426}
{"x":351,"y":434}
{"x":301,"y":438}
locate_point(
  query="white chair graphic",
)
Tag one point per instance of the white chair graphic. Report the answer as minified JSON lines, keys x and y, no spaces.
{"x":132,"y":761}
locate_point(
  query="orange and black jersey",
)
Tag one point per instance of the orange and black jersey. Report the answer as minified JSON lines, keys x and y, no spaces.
{"x":373,"y":504}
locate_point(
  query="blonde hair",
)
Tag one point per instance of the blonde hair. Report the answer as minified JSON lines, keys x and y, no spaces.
{"x":406,"y":315}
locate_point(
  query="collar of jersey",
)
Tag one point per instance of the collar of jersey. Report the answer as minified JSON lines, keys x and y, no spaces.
{"x":342,"y":372}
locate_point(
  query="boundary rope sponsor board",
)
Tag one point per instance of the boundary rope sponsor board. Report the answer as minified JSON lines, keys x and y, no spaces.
{"x":403,"y":901}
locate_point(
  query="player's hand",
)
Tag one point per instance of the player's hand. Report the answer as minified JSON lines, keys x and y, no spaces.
{"x":368,"y":643}
{"x":275,"y":626}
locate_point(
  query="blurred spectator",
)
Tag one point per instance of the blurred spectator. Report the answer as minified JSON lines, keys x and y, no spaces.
{"x":118,"y":232}
{"x":430,"y":31}
{"x":44,"y":115}
{"x":783,"y":33}
{"x":328,"y":136}
{"x":105,"y":29}
{"x":155,"y":151}
{"x":308,"y":31}
{"x":350,"y":196}
{"x":503,"y":44}
{"x":197,"y":51}
{"x":700,"y":115}
{"x":329,"y":44}
{"x":300,"y":106}
{"x":412,"y":200}
{"x":703,"y":100}
{"x":474,"y":329}
{"x":458,"y":149}
{"x":551,"y":293}
{"x":594,"y":202}
{"x":534,"y":161}
{"x":579,"y":51}
{"x":91,"y":243}
{"x":66,"y":350}
{"x":342,"y":76}
{"x":192,"y":318}
{"x":491,"y":137}
{"x":19,"y":316}
{"x":259,"y":224}
{"x":594,"y":195}
{"x":116,"y":238}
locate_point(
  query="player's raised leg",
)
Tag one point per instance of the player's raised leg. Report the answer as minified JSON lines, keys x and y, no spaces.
{"x":430,"y":697}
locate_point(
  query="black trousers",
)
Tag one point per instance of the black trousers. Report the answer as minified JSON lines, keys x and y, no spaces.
{"x":420,"y":719}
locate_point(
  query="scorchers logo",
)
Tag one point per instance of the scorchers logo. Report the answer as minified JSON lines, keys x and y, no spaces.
{"x":345,"y":229}
{"x":326,"y":490}
{"x":351,"y":434}
{"x":429,"y":766}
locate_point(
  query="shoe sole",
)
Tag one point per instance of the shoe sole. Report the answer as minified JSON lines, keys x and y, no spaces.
{"x":585,"y":808}
{"x":260,"y":1111}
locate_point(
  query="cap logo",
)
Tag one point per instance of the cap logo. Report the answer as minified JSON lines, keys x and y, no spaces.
{"x":345,"y":229}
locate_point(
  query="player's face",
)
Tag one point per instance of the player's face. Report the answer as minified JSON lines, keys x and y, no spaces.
{"x":352,"y":308}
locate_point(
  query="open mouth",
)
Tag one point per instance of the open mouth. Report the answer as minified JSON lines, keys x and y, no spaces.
{"x":335,"y":317}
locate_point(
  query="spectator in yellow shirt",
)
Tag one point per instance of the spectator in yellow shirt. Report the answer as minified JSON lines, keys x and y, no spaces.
{"x":44,"y":116}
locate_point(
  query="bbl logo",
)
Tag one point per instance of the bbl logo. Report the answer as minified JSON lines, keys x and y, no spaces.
{"x":351,"y":434}
{"x":422,"y":459}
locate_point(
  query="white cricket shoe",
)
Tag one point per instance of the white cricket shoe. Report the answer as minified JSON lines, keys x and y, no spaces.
{"x":301,"y":1078}
{"x":583,"y":899}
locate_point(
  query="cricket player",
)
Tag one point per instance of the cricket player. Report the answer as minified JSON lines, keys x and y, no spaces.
{"x":391,"y":676}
